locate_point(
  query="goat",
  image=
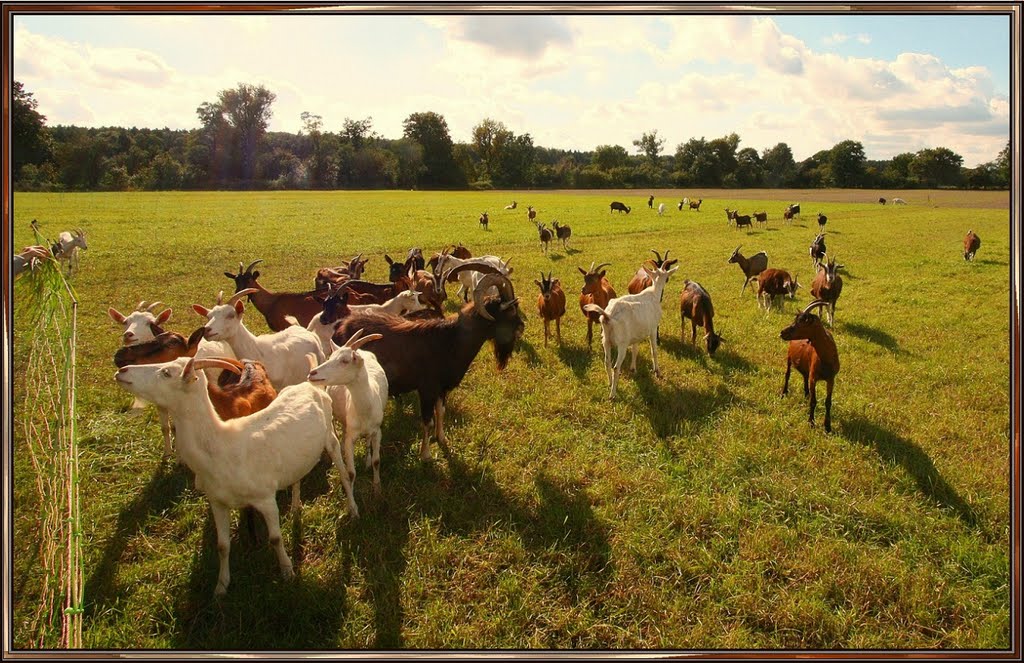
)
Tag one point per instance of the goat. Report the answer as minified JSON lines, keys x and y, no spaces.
{"x":431,"y":288}
{"x":628,"y":320}
{"x":822,"y":220}
{"x":971,"y":245}
{"x":696,"y":205}
{"x":787,"y":216}
{"x":772,"y":283}
{"x":794,"y":208}
{"x":141,"y":324}
{"x":813,"y":351}
{"x":650,"y":202}
{"x":551,"y":305}
{"x":881,"y":201}
{"x":275,"y":305}
{"x":761,"y":218}
{"x":545,"y":237}
{"x":484,"y":220}
{"x":827,"y":286}
{"x":459,"y":252}
{"x":898,"y":201}
{"x":244,"y":461}
{"x":616,"y":206}
{"x":661,"y":209}
{"x":366,"y":395}
{"x":404,"y":302}
{"x":730,"y":214}
{"x":563,"y":233}
{"x":432,"y":356}
{"x":414,"y":259}
{"x":531,"y":213}
{"x":642,"y":279}
{"x":695,"y":304}
{"x":817,"y":250}
{"x":751,"y":266}
{"x":596,"y":290}
{"x":467,"y":279}
{"x":349,"y":269}
{"x":283,"y":352}
{"x":66,"y":248}
{"x":512,"y":205}
{"x":742,"y":220}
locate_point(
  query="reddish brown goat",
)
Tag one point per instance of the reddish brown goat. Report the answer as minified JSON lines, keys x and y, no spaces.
{"x":349,"y":269}
{"x":696,"y":205}
{"x":787,"y":216}
{"x":596,"y":290}
{"x":276,"y":305}
{"x":971,"y":245}
{"x":813,"y":352}
{"x":761,"y":218}
{"x":641,"y":280}
{"x":242,"y":389}
{"x":827,"y":286}
{"x":772,"y":283}
{"x":695,"y":304}
{"x":460,"y":252}
{"x":551,"y":305}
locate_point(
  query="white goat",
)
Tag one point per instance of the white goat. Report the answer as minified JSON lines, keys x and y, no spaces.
{"x":245,"y":461}
{"x":361,"y":375}
{"x":630,"y":319}
{"x":66,"y":248}
{"x":661,"y":209}
{"x":283,"y":353}
{"x":404,"y":302}
{"x":898,"y":201}
{"x":469,"y":279}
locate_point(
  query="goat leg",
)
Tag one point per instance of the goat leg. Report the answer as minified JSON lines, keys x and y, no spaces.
{"x":165,"y":428}
{"x":654,"y":356}
{"x":828,"y":406}
{"x":268,"y":509}
{"x":439,"y":421}
{"x":785,"y":384}
{"x":222,"y":521}
{"x":814,"y":403}
{"x":334,"y":451}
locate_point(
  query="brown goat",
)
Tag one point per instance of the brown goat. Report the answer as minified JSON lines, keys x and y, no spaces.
{"x":563,"y":233}
{"x":696,"y":205}
{"x":530,"y":212}
{"x":751,"y":266}
{"x":545,"y":236}
{"x":827,"y":286}
{"x":551,"y":305}
{"x":460,"y":252}
{"x":787,"y":216}
{"x":484,"y":220}
{"x":742,"y":220}
{"x":641,"y":279}
{"x":276,"y":305}
{"x":971,"y":245}
{"x":596,"y":290}
{"x":761,"y":218}
{"x":813,"y":352}
{"x":349,"y":269}
{"x":695,"y":305}
{"x":242,"y":389}
{"x":772,"y":283}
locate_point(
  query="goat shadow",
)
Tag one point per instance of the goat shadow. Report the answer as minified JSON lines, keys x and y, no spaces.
{"x":578,"y":357}
{"x":463,"y":498}
{"x":873,"y":335}
{"x":667,"y":405}
{"x":991,"y":262}
{"x":527,"y":349}
{"x":892,"y":448}
{"x":556,"y":257}
{"x":164,"y":490}
{"x":730,"y":361}
{"x":570,"y":251}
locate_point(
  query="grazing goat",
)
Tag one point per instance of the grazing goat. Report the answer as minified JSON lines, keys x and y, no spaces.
{"x":772,"y":283}
{"x":751,"y":266}
{"x":512,"y":205}
{"x":695,"y":305}
{"x":545,"y":237}
{"x":551,"y":305}
{"x":761,"y":218}
{"x":431,"y":357}
{"x":563,"y":233}
{"x":642,"y":279}
{"x":971,"y":245}
{"x":275,"y":305}
{"x":484,"y":220}
{"x":817,"y":250}
{"x":822,"y":220}
{"x":881,"y":201}
{"x":67,"y":246}
{"x":596,"y":290}
{"x":366,"y":387}
{"x":283,"y":353}
{"x":245,"y":461}
{"x":661,"y":209}
{"x":827,"y":286}
{"x":696,"y":204}
{"x":813,"y":352}
{"x":628,"y":320}
{"x":616,"y":206}
{"x":898,"y":201}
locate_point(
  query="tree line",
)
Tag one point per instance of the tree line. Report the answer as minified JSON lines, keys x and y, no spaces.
{"x":232,"y":149}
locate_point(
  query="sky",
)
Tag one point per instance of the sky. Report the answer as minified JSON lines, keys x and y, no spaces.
{"x":896,"y":83}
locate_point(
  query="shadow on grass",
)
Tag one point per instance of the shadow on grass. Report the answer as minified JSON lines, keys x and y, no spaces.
{"x":556,"y":257}
{"x":892,"y":448}
{"x":579,"y":357}
{"x":872,"y":334}
{"x":1002,"y":263}
{"x":528,"y":351}
{"x":162,"y":492}
{"x":667,"y":405}
{"x":570,"y":251}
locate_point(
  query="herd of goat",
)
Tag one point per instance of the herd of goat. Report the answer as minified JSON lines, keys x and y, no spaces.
{"x":253,"y":414}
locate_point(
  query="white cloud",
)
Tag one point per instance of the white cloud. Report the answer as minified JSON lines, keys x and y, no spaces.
{"x":834,"y":38}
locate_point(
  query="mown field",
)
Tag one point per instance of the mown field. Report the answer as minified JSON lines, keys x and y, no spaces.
{"x":697,"y":511}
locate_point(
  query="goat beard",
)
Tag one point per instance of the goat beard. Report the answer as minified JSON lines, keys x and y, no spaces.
{"x":504,"y":344}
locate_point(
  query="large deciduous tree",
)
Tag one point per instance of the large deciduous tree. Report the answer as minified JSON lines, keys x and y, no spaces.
{"x":650,"y":146}
{"x":846,"y":164}
{"x":430,"y":130}
{"x":938,"y":166}
{"x":246,"y":110}
{"x":29,"y":140}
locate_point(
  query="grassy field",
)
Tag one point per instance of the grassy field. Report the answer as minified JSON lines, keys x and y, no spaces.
{"x":697,"y":511}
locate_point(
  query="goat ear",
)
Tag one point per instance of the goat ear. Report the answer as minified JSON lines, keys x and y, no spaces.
{"x":115,"y":315}
{"x":201,"y":310}
{"x":229,"y":275}
{"x":239,"y":307}
{"x":256,"y":274}
{"x":164,"y":317}
{"x":388,"y":259}
{"x":538,"y":283}
{"x":188,"y":374}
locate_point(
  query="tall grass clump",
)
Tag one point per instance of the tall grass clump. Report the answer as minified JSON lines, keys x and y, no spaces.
{"x":48,"y":606}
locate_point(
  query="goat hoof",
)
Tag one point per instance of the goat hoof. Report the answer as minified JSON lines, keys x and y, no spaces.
{"x":288,"y":573}
{"x":219,"y":591}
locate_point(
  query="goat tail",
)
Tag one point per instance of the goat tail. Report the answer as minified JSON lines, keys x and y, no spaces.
{"x":291,"y":319}
{"x":594,"y":308}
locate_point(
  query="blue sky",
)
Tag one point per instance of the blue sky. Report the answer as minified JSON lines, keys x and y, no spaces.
{"x":895,"y":83}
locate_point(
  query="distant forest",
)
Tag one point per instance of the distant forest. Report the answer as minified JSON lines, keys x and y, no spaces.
{"x":232,"y":149}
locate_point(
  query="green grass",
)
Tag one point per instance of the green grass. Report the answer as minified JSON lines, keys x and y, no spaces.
{"x":697,"y":511}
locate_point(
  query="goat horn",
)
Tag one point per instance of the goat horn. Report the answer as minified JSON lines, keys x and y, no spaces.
{"x":657,"y":254}
{"x":153,"y":306}
{"x":353,"y":338}
{"x":241,"y":293}
{"x":591,"y":270}
{"x":240,"y":268}
{"x":216,"y":362}
{"x":497,"y":280}
{"x":355,"y":345}
{"x":252,"y":264}
{"x":472,"y":265}
{"x":815,"y":304}
{"x":603,"y":264}
{"x":141,"y":306}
